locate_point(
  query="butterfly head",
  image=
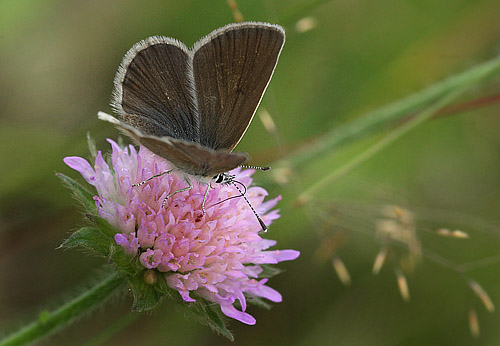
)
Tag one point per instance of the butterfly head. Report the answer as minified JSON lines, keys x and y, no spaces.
{"x":223,"y":178}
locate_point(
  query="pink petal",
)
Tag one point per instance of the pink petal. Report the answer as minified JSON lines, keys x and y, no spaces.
{"x":82,"y":166}
{"x":230,"y":311}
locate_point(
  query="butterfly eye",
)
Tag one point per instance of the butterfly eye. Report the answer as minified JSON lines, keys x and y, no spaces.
{"x":219,"y":178}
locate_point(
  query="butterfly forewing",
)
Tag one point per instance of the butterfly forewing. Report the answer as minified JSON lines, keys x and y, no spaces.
{"x":232,"y":67}
{"x":153,"y":87}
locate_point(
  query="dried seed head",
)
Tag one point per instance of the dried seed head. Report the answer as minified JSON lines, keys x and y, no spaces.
{"x":341,"y":270}
{"x":403,"y":285}
{"x":305,"y":24}
{"x":233,"y":6}
{"x":482,"y":295}
{"x":398,"y":224}
{"x":267,"y":121}
{"x":281,"y":175}
{"x":396,"y":212}
{"x":474,"y":323}
{"x":453,"y":234}
{"x":379,"y":261}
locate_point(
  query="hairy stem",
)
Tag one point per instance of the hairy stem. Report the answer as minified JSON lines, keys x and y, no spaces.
{"x":49,"y":322}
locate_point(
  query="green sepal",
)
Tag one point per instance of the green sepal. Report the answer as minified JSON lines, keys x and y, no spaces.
{"x":84,"y":196}
{"x":258,"y":302}
{"x":86,"y":199}
{"x":92,"y":147}
{"x":102,"y":224}
{"x":125,"y":264}
{"x":268,"y":271}
{"x":146,"y":296}
{"x":90,"y":238}
{"x":203,"y":311}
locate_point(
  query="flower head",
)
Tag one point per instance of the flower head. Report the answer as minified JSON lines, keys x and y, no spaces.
{"x":217,"y":255}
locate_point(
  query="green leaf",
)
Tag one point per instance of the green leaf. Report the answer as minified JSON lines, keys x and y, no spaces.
{"x":209,"y":314}
{"x":92,"y":239}
{"x":84,"y":196}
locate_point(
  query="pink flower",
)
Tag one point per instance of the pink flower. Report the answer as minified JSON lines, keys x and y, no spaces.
{"x":217,"y":256}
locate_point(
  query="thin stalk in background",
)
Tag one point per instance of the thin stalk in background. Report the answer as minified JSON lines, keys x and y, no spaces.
{"x":380,"y":145}
{"x":373,"y":121}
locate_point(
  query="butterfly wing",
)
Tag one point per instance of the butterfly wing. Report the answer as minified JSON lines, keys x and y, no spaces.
{"x":192,"y":158}
{"x":192,"y":107}
{"x":232,"y":67}
{"x":153,"y":87}
{"x":189,"y":157}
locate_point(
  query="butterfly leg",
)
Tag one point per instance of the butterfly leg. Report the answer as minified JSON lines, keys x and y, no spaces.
{"x":189,"y":187}
{"x":154,"y":176}
{"x":204,"y":199}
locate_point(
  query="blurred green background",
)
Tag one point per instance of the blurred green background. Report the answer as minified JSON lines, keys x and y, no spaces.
{"x":57,"y":63}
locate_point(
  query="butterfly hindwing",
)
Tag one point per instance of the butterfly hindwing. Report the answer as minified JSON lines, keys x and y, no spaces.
{"x":189,"y":157}
{"x":192,"y":158}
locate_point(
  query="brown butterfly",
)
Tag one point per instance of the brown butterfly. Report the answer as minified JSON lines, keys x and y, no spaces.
{"x":192,"y":106}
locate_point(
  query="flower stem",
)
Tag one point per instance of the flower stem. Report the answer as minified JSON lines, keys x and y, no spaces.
{"x":48,"y":321}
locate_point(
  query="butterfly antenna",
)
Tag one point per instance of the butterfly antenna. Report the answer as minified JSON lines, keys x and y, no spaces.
{"x":256,"y":167}
{"x":262,"y":224}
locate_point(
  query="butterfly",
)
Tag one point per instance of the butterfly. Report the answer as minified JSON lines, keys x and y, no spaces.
{"x":192,"y":106}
